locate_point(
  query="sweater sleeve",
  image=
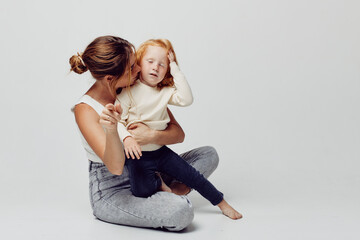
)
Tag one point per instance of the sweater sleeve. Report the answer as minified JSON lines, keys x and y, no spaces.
{"x":125,"y":105}
{"x":182,"y":95}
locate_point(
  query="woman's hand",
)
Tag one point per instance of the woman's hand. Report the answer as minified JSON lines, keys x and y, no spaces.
{"x":132,"y":148}
{"x":145,"y":135}
{"x":141,"y":133}
{"x":106,"y":144}
{"x":110,"y":117}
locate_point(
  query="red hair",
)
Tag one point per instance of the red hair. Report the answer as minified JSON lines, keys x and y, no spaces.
{"x":164,"y":43}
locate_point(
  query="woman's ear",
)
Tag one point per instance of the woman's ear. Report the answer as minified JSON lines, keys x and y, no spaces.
{"x":108,"y":78}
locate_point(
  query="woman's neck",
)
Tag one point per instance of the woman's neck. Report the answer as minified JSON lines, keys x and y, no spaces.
{"x":101,"y":93}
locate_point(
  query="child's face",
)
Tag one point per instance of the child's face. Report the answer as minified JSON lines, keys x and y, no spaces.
{"x":154,"y":65}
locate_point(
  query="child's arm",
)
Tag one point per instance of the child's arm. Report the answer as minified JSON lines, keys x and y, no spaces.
{"x":131,"y":147}
{"x":182,"y":95}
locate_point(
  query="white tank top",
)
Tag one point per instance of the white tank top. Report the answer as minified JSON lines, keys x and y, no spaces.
{"x":98,"y":107}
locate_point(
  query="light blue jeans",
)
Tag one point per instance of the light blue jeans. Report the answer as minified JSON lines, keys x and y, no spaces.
{"x":112,"y":200}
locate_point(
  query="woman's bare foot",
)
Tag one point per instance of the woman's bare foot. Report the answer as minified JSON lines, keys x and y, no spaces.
{"x":228,"y":211}
{"x":179,"y":188}
{"x":163,"y":187}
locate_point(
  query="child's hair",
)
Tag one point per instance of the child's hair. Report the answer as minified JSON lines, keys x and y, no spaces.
{"x":106,"y":55}
{"x":164,"y":43}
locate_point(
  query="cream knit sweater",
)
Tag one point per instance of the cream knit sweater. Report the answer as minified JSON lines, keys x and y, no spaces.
{"x":148,"y":105}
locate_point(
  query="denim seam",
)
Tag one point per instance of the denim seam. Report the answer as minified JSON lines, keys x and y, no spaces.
{"x":91,"y":195}
{"x":98,"y":184}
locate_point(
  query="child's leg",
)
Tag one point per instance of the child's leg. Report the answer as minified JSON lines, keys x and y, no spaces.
{"x":204,"y":159}
{"x":228,"y":210}
{"x":144,"y":181}
{"x":175,"y":166}
{"x":172,"y":164}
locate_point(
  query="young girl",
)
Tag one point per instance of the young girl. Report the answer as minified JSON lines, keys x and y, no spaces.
{"x":160,"y":83}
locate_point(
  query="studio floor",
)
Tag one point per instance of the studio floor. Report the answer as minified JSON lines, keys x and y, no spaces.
{"x":263,"y":219}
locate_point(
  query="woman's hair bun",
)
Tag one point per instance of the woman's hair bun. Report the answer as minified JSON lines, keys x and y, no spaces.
{"x":77,"y":64}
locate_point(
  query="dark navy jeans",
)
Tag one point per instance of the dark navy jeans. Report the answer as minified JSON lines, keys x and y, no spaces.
{"x":145,"y":182}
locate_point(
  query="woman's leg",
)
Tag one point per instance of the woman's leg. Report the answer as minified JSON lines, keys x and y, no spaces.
{"x":112,"y":201}
{"x":203,"y":159}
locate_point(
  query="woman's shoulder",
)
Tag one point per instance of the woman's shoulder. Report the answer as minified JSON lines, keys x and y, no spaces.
{"x":87,"y":103}
{"x":82,"y":107}
{"x":85,"y":111}
{"x":86,"y":117}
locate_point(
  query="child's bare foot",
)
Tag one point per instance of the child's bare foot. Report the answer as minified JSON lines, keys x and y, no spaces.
{"x":179,"y":188}
{"x":163,"y":186}
{"x":227,"y":210}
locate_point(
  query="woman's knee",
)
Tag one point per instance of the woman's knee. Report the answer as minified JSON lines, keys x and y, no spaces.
{"x":181,"y":215}
{"x":211,"y":156}
{"x":214,"y":156}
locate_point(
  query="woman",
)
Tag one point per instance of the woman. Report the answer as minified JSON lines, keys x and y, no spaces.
{"x":111,"y":61}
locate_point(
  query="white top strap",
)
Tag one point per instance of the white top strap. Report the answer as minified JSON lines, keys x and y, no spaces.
{"x":98,"y":107}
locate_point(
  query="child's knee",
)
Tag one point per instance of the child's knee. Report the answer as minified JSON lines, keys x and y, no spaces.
{"x":145,"y":189}
{"x":141,"y":191}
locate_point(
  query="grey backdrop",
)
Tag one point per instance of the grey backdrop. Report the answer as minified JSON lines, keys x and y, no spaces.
{"x":276,"y":87}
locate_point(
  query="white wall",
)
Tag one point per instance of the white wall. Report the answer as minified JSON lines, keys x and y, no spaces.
{"x":276,"y":87}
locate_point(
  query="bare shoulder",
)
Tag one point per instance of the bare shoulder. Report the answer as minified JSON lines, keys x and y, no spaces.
{"x":85,"y":114}
{"x":89,"y":124}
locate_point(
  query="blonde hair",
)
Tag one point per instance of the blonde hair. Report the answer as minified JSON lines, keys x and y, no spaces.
{"x":164,"y":43}
{"x":106,"y":55}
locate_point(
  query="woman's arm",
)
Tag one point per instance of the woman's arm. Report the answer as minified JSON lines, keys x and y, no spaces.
{"x":106,"y":144}
{"x":145,"y":135}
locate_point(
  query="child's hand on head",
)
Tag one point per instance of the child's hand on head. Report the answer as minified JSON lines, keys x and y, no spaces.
{"x":171,"y":56}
